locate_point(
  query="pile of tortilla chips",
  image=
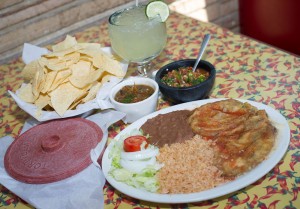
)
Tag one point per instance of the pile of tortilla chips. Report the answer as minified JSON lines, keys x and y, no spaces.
{"x":68,"y":76}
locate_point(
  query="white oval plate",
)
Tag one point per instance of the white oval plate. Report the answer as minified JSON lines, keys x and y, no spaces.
{"x":280,"y":147}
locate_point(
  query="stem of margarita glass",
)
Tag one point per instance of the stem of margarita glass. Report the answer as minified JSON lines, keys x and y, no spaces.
{"x":144,"y":69}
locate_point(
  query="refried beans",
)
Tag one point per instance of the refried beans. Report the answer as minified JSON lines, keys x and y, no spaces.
{"x":168,"y":128}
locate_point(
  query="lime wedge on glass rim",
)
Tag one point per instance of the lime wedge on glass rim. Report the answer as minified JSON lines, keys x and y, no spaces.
{"x":156,"y":8}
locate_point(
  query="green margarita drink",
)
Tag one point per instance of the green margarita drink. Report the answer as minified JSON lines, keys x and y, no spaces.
{"x":136,"y":37}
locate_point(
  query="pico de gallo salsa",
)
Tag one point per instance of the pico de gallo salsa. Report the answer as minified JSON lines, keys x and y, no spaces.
{"x":185,"y":77}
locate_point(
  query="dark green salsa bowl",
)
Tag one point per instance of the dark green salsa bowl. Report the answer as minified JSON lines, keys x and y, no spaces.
{"x":178,"y":95}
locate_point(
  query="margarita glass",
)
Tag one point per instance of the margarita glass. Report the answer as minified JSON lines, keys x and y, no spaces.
{"x":137,"y":38}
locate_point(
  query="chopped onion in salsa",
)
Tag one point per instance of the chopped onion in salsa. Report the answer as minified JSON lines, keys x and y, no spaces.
{"x":185,"y":77}
{"x":134,"y":93}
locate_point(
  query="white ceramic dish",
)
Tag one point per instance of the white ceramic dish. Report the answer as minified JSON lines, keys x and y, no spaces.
{"x":280,"y":147}
{"x":134,"y":111}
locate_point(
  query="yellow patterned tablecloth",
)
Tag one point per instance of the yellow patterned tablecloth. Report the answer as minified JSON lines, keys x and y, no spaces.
{"x":246,"y":69}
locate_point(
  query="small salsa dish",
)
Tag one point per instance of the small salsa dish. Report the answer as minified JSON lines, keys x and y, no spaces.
{"x":135,"y":96}
{"x":134,"y":93}
{"x":179,"y":84}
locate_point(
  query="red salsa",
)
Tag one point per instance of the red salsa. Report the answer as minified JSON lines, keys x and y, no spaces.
{"x":185,"y":77}
{"x":134,"y":93}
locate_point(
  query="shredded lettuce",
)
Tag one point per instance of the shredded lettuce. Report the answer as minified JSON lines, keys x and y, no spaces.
{"x":115,"y":154}
{"x":121,"y":174}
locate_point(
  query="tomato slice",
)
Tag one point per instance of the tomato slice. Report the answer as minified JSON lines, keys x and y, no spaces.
{"x":133,"y":143}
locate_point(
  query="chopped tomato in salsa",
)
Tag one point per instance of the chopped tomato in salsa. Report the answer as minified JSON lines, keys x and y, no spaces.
{"x":185,"y":77}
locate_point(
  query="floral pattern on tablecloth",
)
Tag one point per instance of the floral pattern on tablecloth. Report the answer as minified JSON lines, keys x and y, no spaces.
{"x":246,"y":69}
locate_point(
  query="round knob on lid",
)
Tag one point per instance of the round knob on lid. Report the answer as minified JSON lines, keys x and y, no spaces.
{"x":51,"y":144}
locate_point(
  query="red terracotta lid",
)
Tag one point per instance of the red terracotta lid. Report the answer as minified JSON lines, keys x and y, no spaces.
{"x":52,"y":151}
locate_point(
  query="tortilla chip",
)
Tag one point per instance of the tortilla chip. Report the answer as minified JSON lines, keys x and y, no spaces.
{"x":30,"y":70}
{"x":26,"y":93}
{"x":42,"y":101}
{"x":60,"y":77}
{"x":64,"y":45}
{"x":63,"y":96}
{"x":108,"y":64}
{"x":92,"y":92}
{"x":50,"y":77}
{"x":37,"y":83}
{"x":80,"y":74}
